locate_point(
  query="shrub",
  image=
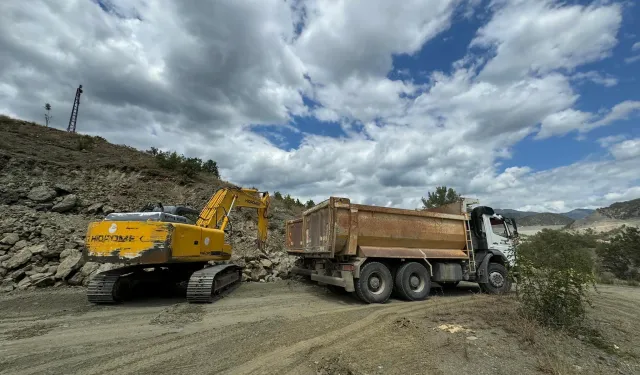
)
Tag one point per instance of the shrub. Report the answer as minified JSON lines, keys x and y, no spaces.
{"x":85,"y":142}
{"x":621,"y":254}
{"x":188,"y":167}
{"x":554,"y":274}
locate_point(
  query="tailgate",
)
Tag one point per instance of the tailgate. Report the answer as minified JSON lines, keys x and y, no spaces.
{"x":129,"y":240}
{"x":313,"y":232}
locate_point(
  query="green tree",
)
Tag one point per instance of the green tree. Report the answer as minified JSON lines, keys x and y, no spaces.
{"x":309,"y":203}
{"x":211,"y":166}
{"x":277,"y":195}
{"x":440,"y":197}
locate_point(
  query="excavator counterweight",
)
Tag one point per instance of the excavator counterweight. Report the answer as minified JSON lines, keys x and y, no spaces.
{"x":161,"y":249}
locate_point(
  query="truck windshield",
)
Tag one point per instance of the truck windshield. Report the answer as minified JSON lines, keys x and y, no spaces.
{"x":498,"y":227}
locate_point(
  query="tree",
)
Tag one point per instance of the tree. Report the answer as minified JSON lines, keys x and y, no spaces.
{"x":211,"y":166}
{"x":440,"y":197}
{"x":277,"y":195}
{"x":309,"y":203}
{"x":47,"y":116}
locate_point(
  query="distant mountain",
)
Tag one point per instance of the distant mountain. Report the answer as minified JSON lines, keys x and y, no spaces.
{"x":579,"y":213}
{"x":507,"y":212}
{"x":622,"y":210}
{"x":545,"y":218}
{"x":528,"y":218}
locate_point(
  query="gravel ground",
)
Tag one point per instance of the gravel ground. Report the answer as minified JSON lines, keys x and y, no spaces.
{"x":295,"y":327}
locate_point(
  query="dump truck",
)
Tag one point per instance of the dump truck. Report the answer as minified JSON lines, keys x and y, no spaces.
{"x":374,"y":252}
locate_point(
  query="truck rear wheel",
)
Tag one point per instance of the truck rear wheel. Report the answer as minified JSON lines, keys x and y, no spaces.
{"x":497,"y":280}
{"x":375,"y":283}
{"x":413,"y":282}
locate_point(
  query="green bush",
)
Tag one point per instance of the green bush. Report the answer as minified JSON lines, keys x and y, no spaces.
{"x":621,"y":254}
{"x":555,"y":270}
{"x":188,"y":167}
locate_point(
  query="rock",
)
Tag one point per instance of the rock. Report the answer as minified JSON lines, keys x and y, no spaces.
{"x":38,"y":249}
{"x":258,"y":273}
{"x":10,"y":239}
{"x":18,"y":275}
{"x":266,"y":263}
{"x":41,"y":194}
{"x":62,"y":188}
{"x":20,"y":245}
{"x":52,"y":269}
{"x":108,"y":210}
{"x":67,"y":203}
{"x":68,"y":252}
{"x":7,"y":285}
{"x":68,"y":265}
{"x":47,"y":232}
{"x":20,"y":258}
{"x":24,"y":283}
{"x":37,"y":276}
{"x":89,"y":268}
{"x":3,"y":271}
{"x":76,"y":279}
{"x":95,"y":208}
{"x":44,"y":282}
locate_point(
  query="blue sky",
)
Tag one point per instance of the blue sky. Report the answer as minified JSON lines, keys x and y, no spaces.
{"x":530,"y":104}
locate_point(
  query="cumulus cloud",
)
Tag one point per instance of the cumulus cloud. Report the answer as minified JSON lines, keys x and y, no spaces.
{"x":197,"y":77}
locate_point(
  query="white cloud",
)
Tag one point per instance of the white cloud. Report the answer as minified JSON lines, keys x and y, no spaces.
{"x":609,"y":140}
{"x":193,"y":76}
{"x":632,"y":59}
{"x":635,"y":46}
{"x":595,"y":77}
{"x":539,"y":36}
{"x":629,"y":149}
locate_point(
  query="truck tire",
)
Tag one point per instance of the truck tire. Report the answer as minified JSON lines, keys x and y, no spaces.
{"x":413,"y":282}
{"x":375,"y":283}
{"x":497,"y":279}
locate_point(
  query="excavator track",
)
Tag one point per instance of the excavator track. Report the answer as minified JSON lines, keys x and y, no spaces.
{"x":209,"y":282}
{"x":105,"y":286}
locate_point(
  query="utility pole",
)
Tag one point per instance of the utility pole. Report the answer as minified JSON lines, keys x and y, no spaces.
{"x":74,"y":111}
{"x":47,"y":116}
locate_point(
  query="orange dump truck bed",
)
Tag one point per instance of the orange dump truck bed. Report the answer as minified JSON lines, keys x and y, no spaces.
{"x":336,"y":227}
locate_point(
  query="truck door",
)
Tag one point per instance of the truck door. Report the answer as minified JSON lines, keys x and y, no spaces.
{"x":498,"y":238}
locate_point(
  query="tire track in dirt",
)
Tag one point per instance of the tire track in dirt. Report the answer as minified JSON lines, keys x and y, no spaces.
{"x":277,"y":360}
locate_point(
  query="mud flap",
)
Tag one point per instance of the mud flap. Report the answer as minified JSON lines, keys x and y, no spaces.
{"x":345,"y":281}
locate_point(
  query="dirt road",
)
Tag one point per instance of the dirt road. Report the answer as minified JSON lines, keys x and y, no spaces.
{"x":288,"y":327}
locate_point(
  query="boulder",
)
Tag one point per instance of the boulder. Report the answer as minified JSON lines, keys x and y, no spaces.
{"x":69,"y":265}
{"x":62,"y":188}
{"x":41,"y":194}
{"x":66,"y":252}
{"x":20,"y":245}
{"x":45,"y":281}
{"x":20,"y":258}
{"x":67,"y":203}
{"x":266,"y":263}
{"x":108,"y":210}
{"x":7,"y":285}
{"x":38,"y":249}
{"x":10,"y":239}
{"x":89,"y":268}
{"x":95,"y":208}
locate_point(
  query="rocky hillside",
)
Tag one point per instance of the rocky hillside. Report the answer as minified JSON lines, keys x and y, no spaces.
{"x":544,"y":219}
{"x":53,"y":183}
{"x":622,"y":210}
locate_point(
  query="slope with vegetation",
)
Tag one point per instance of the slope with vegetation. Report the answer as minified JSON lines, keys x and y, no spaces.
{"x":53,"y":183}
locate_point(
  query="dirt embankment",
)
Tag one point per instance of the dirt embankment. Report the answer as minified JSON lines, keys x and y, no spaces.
{"x":53,"y":183}
{"x":293,"y":327}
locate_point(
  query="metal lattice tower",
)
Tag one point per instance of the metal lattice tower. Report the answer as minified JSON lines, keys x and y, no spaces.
{"x":74,"y":111}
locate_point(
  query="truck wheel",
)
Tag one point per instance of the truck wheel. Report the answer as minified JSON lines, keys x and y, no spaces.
{"x":375,"y":283}
{"x":413,"y":281}
{"x":497,"y":280}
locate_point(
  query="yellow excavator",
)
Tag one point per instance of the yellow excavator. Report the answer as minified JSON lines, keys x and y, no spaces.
{"x":168,"y":248}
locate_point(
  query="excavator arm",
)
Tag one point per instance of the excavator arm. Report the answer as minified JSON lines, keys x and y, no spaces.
{"x":215,"y":213}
